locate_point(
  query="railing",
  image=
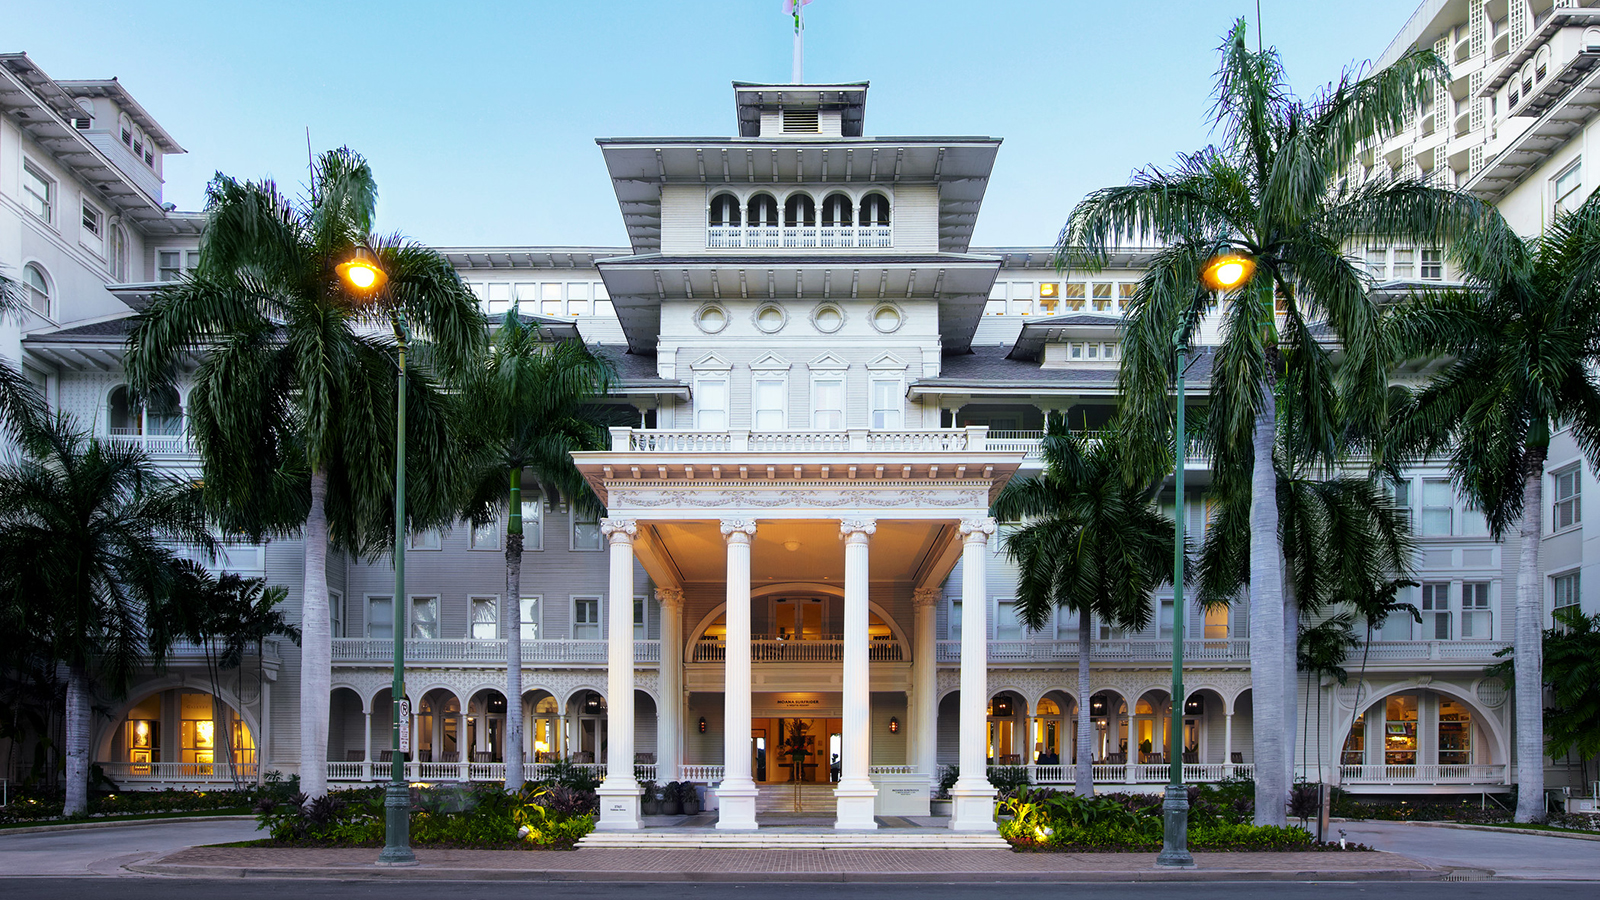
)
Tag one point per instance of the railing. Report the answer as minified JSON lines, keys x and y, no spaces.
{"x":153,"y":444}
{"x":209,"y":773}
{"x":891,"y":770}
{"x":768,"y":651}
{"x":1492,"y":773}
{"x":1478,"y":651}
{"x":707,"y":774}
{"x":350,"y":771}
{"x":798,"y":237}
{"x":372,"y":770}
{"x":972,"y":437}
{"x":1137,"y":773}
{"x":460,"y":651}
{"x":1029,"y":443}
{"x":1120,"y":649}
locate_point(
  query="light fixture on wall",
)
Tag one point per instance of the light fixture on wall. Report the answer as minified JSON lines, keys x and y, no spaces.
{"x":593,"y":704}
{"x":791,"y":545}
{"x":1097,"y":705}
{"x":1002,"y":706}
{"x":702,"y":724}
{"x":1194,"y":706}
{"x":894,"y":725}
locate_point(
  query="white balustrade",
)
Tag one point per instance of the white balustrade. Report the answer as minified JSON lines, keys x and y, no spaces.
{"x":801,"y":237}
{"x":1490,"y":773}
{"x":799,"y":441}
{"x":769,"y":651}
{"x":1121,"y":650}
{"x":707,"y":774}
{"x":153,"y":444}
{"x":347,"y":771}
{"x":209,"y":773}
{"x":891,"y":770}
{"x":475,"y":651}
{"x":1383,"y":651}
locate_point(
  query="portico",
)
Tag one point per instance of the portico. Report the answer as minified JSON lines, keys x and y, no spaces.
{"x":810,"y":552}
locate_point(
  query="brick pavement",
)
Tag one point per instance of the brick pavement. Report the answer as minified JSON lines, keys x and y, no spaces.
{"x":779,"y":865}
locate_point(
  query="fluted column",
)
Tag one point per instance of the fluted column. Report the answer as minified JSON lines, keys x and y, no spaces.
{"x":736,"y":798}
{"x":855,"y":797}
{"x":924,"y":749}
{"x":619,"y":793}
{"x":972,"y":807}
{"x":669,"y":713}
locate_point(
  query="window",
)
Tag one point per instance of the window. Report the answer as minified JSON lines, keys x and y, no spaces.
{"x":1378,"y":264}
{"x":801,"y":121}
{"x":724,"y":211}
{"x":1074,"y":295}
{"x":997,"y":301}
{"x":1565,"y":188}
{"x":1475,"y":614}
{"x":586,"y":618}
{"x":532,"y":618}
{"x":954,"y":626}
{"x":1432,"y":265}
{"x":640,"y":625}
{"x":771,"y":318}
{"x":711,"y":404}
{"x":711,"y":319}
{"x":1216,"y":622}
{"x":1564,"y":590}
{"x":888,"y":410}
{"x":1049,"y":297}
{"x":578,"y":299}
{"x":1102,"y":297}
{"x":1164,"y":620}
{"x":886,"y":318}
{"x":1438,"y":502}
{"x":1567,"y":511}
{"x":1007,"y":627}
{"x":485,"y":618}
{"x":763,"y":211}
{"x":425,"y":618}
{"x":1400,"y":499}
{"x":1022,"y":298}
{"x":37,"y":288}
{"x":550,"y":298}
{"x":1436,"y":611}
{"x":380,"y":618}
{"x":827,"y":395}
{"x":875,"y":210}
{"x":335,"y":614}
{"x":585,"y":529}
{"x":487,"y":535}
{"x":117,"y":259}
{"x":602,"y":300}
{"x":837,"y":210}
{"x":800,"y":210}
{"x":769,"y":406}
{"x":94,"y":228}
{"x":532,"y":521}
{"x":426,"y":540}
{"x":38,"y":193}
{"x":171,"y":264}
{"x":1405,"y":264}
{"x":1125,"y":292}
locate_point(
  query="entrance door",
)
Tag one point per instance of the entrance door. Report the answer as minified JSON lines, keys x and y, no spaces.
{"x":758,"y":753}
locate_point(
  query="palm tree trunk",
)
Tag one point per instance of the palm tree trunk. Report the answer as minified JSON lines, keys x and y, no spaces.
{"x":1083,"y":777}
{"x":513,"y":618}
{"x":316,"y":644}
{"x":77,"y":741}
{"x":1291,"y":672}
{"x":1527,"y":654}
{"x":1266,"y":622}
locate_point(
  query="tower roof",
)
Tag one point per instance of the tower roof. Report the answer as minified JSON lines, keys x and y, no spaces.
{"x":751,"y":99}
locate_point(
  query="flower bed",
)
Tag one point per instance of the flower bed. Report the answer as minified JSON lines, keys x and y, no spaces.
{"x":46,"y":806}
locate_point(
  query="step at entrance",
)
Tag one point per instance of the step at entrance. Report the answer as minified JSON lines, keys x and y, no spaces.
{"x":782,"y":838}
{"x":796,"y":799}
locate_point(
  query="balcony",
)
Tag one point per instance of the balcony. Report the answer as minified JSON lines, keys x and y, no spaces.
{"x":1227,"y":650}
{"x":150,"y":775}
{"x":855,"y":439}
{"x":828,"y":237}
{"x":773,"y":651}
{"x":473,"y":652}
{"x":152,"y":444}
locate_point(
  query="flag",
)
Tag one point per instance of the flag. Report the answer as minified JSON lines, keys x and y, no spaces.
{"x":792,"y":8}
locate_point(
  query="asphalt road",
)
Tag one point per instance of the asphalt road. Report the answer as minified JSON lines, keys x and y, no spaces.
{"x":236,"y":889}
{"x":1513,"y":855}
{"x":103,"y":851}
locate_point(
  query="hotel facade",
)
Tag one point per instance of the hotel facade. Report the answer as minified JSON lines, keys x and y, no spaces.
{"x":797,"y":599}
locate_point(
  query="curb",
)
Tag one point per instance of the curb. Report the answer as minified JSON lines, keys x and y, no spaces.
{"x":426,"y":873}
{"x":1498,"y":829}
{"x":119,"y":823}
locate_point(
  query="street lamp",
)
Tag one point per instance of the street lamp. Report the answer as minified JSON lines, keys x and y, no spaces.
{"x":1220,"y":273}
{"x":363,"y":275}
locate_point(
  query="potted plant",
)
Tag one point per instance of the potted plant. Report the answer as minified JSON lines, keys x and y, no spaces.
{"x":689,"y":797}
{"x":670,"y":804}
{"x":650,"y":805}
{"x":940,"y":804}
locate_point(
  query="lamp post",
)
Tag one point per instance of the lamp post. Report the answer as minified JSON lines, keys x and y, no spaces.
{"x":365,"y":277}
{"x":1220,"y":273}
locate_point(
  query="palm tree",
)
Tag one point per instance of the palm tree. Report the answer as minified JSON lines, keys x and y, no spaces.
{"x":1275,"y":191}
{"x":292,"y":407}
{"x":527,"y":411}
{"x":1516,"y":349}
{"x":1322,"y":650}
{"x":1342,"y":540}
{"x":1374,"y":609}
{"x":1093,"y":544}
{"x":22,"y":407}
{"x":85,"y":566}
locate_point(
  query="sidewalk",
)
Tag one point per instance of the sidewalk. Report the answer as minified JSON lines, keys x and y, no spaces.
{"x":747,"y":865}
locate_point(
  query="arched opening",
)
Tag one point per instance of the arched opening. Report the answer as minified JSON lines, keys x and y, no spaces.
{"x":875,"y":210}
{"x":1152,"y":721}
{"x":1108,"y":716}
{"x":440,"y":726}
{"x":486,"y":727}
{"x":348,"y":738}
{"x":180,"y":734}
{"x":127,"y":415}
{"x":800,"y":211}
{"x":763,"y":211}
{"x":542,"y":726}
{"x":586,"y":709}
{"x":790,"y":626}
{"x":1203,"y":723}
{"x":837,"y":211}
{"x":724,"y":211}
{"x":37,"y":286}
{"x":117,"y":263}
{"x":1008,"y":716}
{"x":1420,"y":734}
{"x":1055,"y":729}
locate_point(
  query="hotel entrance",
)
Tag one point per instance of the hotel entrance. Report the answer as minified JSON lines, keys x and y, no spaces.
{"x":796,"y":750}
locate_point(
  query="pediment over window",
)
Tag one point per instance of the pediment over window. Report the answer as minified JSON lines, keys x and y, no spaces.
{"x":771,"y":362}
{"x":711,"y":362}
{"x":827,"y":362}
{"x":887,"y":362}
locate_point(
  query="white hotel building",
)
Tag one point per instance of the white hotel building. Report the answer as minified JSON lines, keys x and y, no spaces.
{"x":822,"y":387}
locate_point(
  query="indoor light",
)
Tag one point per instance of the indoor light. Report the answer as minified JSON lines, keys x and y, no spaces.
{"x":362,"y":272}
{"x":1227,"y":271}
{"x":791,"y":545}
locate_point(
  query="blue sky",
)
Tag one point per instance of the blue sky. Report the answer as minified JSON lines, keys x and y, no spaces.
{"x":479,"y":117}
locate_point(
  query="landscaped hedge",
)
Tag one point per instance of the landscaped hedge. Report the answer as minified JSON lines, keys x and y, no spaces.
{"x":45,"y":806}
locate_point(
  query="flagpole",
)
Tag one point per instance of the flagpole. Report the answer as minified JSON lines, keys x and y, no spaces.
{"x":797,"y":75}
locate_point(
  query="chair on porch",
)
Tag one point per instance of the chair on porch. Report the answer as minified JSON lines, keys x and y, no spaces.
{"x":353,"y":756}
{"x":545,"y":756}
{"x":1116,"y":759}
{"x":447,"y":757}
{"x":1191,"y":757}
{"x":1011,"y":759}
{"x":425,"y":755}
{"x":483,"y":756}
{"x":386,"y":756}
{"x":583,"y":758}
{"x":1237,"y":758}
{"x":644,"y":759}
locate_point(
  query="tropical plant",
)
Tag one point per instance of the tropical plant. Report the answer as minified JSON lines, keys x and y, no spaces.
{"x":1092,"y":543}
{"x":1322,"y":651}
{"x":85,"y":565}
{"x":1273,"y":190}
{"x":224,"y":616}
{"x":1374,"y":609}
{"x":292,"y":409}
{"x":1572,"y":676}
{"x":1516,"y":350}
{"x":527,"y":406}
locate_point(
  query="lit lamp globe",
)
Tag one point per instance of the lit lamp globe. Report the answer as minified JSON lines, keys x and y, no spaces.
{"x":1227,"y":271}
{"x":362,"y":272}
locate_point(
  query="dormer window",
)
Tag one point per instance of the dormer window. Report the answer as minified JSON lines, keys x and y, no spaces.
{"x":800,"y":121}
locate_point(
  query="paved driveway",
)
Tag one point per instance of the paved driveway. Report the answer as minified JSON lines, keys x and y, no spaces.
{"x":103,"y":851}
{"x":1508,"y":855}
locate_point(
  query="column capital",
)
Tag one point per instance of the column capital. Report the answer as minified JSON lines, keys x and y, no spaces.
{"x":738,"y":531}
{"x":619,"y":531}
{"x":669,"y":598}
{"x":924,"y":598}
{"x":857,"y":529}
{"x":977,"y":529}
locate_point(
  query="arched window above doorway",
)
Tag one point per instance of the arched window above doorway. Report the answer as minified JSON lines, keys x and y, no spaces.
{"x":837,"y":210}
{"x":799,"y":211}
{"x":763,"y":211}
{"x":724,"y":211}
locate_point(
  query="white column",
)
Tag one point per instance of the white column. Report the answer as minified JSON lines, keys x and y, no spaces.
{"x":669,"y":713}
{"x":264,"y":739}
{"x":855,"y":797}
{"x":737,"y":795}
{"x":924,"y":749}
{"x":972,"y":807}
{"x":619,"y":793}
{"x":366,"y":748}
{"x":1227,"y":739}
{"x":463,"y":752}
